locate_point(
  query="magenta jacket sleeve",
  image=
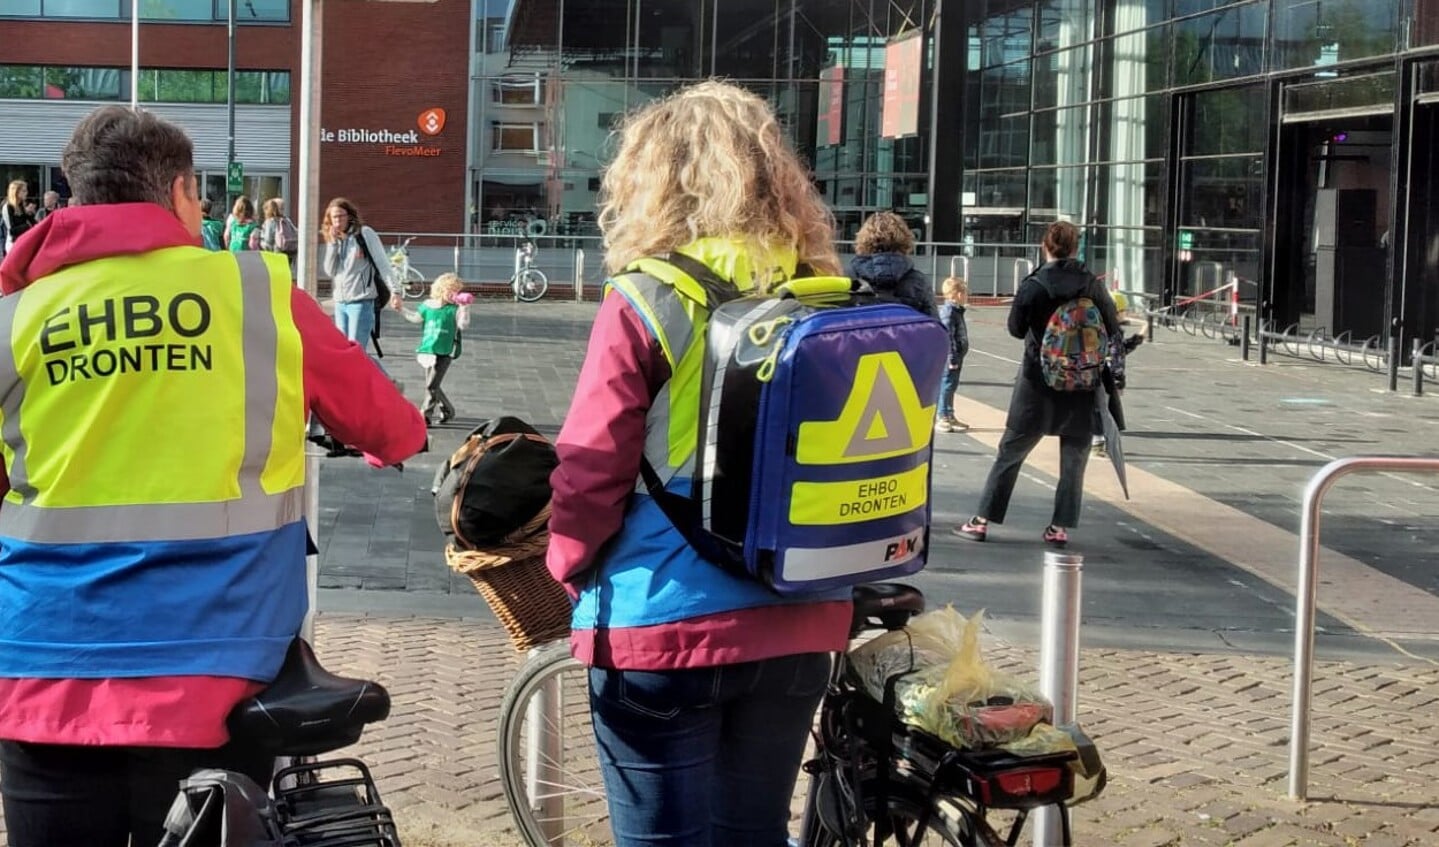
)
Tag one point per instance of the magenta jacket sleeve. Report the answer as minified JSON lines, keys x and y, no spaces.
{"x":603,"y":437}
{"x":350,"y":395}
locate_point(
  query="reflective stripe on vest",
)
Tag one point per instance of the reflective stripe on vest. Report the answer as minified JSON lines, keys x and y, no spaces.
{"x":152,"y":398}
{"x":677,"y":321}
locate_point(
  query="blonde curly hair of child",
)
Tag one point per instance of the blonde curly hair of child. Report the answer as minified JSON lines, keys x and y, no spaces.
{"x":445,"y":287}
{"x":955,"y":289}
{"x":711,"y":160}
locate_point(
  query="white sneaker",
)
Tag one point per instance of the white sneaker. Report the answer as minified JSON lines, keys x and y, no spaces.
{"x":944,"y":425}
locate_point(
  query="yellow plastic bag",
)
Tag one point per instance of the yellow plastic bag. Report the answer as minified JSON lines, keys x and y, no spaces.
{"x":947,"y":688}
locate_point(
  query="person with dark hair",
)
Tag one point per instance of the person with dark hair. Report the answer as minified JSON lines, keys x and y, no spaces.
{"x":212,"y":232}
{"x":883,"y":249}
{"x":152,"y":537}
{"x":1035,"y":408}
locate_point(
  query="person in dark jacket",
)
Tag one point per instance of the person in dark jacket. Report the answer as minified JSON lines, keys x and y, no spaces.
{"x":883,"y":247}
{"x":1035,"y":409}
{"x":951,"y":314}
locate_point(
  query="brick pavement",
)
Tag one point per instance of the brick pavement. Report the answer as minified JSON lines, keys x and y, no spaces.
{"x":1194,"y":737}
{"x":1196,"y":745}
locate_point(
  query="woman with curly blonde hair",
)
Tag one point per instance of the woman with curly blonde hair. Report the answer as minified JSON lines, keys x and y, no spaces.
{"x":883,"y":248}
{"x":703,"y":683}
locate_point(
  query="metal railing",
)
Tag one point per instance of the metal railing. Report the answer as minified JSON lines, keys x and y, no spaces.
{"x":1308,"y":593}
{"x":571,"y":259}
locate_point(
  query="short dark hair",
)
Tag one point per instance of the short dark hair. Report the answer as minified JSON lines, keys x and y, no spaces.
{"x":1061,"y":240}
{"x":121,"y":155}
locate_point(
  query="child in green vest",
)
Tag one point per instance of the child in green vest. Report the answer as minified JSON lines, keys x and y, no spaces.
{"x":444,"y":314}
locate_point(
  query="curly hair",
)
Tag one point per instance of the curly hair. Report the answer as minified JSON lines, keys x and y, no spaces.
{"x":884,"y":232}
{"x":711,"y":160}
{"x":446,"y":286}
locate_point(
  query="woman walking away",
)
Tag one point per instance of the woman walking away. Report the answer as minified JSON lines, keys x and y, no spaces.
{"x":241,"y":230}
{"x":883,"y":247}
{"x":444,"y":315}
{"x":951,"y":314}
{"x":1035,"y":408}
{"x":703,"y":683}
{"x":355,"y":273}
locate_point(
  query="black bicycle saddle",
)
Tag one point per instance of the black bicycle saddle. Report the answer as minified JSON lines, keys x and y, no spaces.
{"x":884,"y":605}
{"x":307,"y":710}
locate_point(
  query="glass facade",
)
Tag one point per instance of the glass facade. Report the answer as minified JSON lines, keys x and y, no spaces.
{"x":202,"y":11}
{"x":554,"y":76}
{"x":157,"y":85}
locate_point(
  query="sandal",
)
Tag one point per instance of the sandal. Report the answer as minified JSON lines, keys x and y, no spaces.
{"x":975,"y":529}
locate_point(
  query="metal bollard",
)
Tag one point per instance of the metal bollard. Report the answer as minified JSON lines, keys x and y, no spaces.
{"x":1394,"y":359}
{"x":1149,"y":328}
{"x":546,"y":753}
{"x":1059,"y":668}
{"x":1244,"y":340}
{"x":1418,"y":363}
{"x":1263,"y":342}
{"x":579,"y":274}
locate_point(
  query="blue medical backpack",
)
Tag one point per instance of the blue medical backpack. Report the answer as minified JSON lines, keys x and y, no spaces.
{"x":817,"y":409}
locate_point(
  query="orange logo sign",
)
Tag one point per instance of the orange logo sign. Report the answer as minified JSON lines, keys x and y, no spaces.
{"x":432,"y":121}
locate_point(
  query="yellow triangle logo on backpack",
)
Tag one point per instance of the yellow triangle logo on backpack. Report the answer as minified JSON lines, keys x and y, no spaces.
{"x":882,"y":418}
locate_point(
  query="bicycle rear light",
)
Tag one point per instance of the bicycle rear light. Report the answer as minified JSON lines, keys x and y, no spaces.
{"x":1022,"y":788}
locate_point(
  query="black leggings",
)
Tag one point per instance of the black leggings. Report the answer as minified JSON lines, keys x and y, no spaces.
{"x":63,"y":796}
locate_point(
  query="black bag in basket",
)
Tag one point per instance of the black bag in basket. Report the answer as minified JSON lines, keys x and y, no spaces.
{"x":494,"y":484}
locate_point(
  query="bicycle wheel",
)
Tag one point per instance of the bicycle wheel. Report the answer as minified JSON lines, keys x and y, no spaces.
{"x":948,"y":826}
{"x":416,"y":286}
{"x":548,"y":766}
{"x":531,"y":285}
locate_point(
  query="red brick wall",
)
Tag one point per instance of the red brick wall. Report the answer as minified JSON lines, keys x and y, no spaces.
{"x":385,"y":64}
{"x":258,"y":47}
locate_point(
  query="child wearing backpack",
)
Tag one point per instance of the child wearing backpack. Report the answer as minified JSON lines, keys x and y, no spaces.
{"x":951,"y":314}
{"x":444,"y":315}
{"x":1065,"y":317}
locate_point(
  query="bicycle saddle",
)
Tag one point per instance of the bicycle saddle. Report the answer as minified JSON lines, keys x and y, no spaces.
{"x":307,"y":710}
{"x":884,"y":605}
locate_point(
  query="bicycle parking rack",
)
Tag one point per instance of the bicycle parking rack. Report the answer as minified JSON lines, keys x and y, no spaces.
{"x":1307,"y":596}
{"x":1424,"y":355}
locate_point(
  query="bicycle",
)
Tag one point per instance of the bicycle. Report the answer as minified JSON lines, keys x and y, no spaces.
{"x":873,"y":780}
{"x":529,"y":282}
{"x":412,"y":282}
{"x":306,"y":712}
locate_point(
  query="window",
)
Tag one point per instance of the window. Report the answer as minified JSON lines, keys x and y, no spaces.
{"x":522,"y":138}
{"x":29,"y":82}
{"x":517,"y":91}
{"x":202,"y":11}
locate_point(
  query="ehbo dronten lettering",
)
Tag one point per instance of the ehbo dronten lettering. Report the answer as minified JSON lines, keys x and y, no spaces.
{"x":140,"y":333}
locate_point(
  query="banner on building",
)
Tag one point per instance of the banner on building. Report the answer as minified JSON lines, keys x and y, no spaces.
{"x":830,"y":123}
{"x":903,"y":65}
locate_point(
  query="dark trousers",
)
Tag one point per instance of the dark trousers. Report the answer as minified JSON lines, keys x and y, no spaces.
{"x":705,"y":757}
{"x":435,"y":395}
{"x":1014,"y":448}
{"x":63,"y":796}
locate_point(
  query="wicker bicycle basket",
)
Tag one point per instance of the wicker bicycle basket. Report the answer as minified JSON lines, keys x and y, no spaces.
{"x":512,"y":578}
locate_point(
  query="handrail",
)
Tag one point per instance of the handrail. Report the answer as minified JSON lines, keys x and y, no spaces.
{"x":1308,"y":592}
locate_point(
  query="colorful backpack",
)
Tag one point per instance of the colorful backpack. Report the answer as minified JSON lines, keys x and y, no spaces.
{"x":812,"y":465}
{"x":1074,"y":346}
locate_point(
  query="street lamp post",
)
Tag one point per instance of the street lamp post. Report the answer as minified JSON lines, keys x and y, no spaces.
{"x":230,"y":101}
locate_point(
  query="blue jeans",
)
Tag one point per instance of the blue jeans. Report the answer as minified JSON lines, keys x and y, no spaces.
{"x":356,"y":318}
{"x":705,"y":757}
{"x":947,"y":387}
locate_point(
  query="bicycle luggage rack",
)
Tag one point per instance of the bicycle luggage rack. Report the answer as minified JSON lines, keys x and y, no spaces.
{"x":990,"y":779}
{"x":339,"y":811}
